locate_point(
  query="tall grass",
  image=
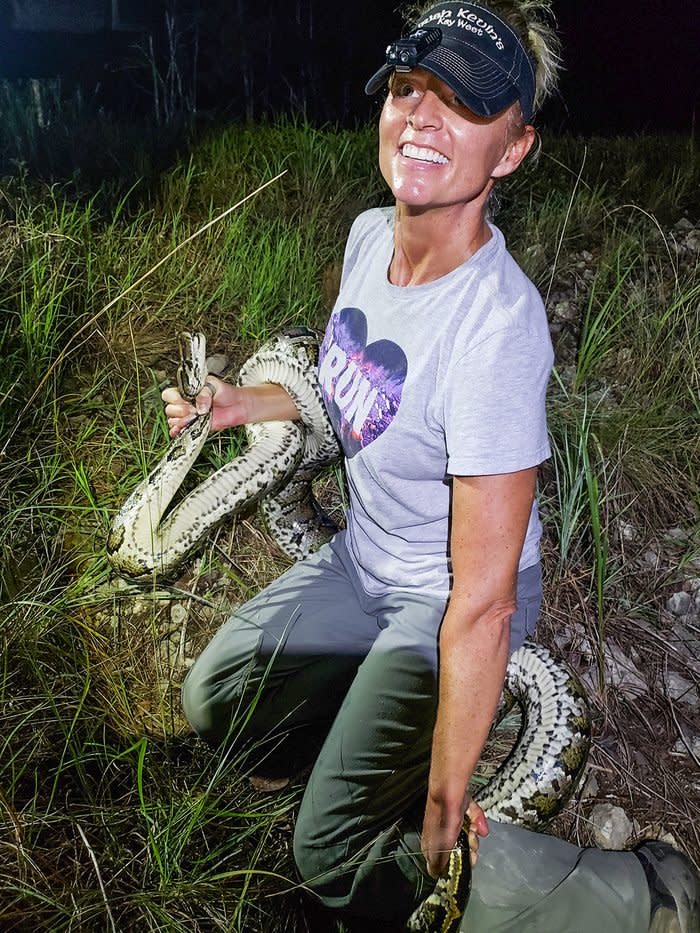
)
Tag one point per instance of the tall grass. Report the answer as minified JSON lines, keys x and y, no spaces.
{"x":114,"y":817}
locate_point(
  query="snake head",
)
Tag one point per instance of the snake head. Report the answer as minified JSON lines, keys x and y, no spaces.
{"x":192,"y":371}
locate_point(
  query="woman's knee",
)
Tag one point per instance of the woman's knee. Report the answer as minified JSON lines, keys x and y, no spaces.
{"x":316,"y":863}
{"x":197,"y":701}
{"x":210,"y":701}
{"x":218,"y":679}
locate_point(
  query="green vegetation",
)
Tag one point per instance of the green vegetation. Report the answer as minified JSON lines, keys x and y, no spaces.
{"x":114,"y":817}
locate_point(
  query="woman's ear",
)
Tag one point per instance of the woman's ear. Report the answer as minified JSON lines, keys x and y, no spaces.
{"x":516,"y":150}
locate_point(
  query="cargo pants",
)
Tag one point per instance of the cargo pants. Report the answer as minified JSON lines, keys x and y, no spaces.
{"x":313,"y":668}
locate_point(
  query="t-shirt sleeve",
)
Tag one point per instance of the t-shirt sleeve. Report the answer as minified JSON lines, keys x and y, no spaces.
{"x":495,"y":419}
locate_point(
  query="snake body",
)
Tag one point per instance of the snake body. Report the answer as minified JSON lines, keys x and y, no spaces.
{"x":540,"y":773}
{"x":281,"y":460}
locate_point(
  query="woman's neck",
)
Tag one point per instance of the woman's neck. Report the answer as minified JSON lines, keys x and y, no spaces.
{"x":429,"y":244}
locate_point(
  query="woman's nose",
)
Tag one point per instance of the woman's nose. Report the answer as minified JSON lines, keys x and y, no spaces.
{"x":426,"y":113}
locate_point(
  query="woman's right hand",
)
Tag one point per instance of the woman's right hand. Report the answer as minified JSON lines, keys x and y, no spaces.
{"x":228,"y":404}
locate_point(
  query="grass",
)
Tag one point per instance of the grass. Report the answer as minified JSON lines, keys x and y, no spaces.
{"x":114,"y":818}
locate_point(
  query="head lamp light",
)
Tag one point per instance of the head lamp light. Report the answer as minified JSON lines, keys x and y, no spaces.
{"x":406,"y":54}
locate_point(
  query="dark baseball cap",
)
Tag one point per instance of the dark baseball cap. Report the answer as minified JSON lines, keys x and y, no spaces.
{"x":473,"y":51}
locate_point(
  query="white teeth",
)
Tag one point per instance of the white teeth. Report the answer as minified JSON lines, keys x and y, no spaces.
{"x":424,"y":155}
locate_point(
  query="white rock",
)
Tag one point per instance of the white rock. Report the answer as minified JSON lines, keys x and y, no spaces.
{"x":612,"y":828}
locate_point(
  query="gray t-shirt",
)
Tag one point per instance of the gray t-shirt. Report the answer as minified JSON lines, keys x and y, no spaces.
{"x":426,"y":382}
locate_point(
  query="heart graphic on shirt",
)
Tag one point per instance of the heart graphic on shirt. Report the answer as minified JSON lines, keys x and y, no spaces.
{"x":361,"y":383}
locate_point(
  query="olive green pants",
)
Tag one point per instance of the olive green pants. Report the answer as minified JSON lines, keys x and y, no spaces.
{"x":313,"y":668}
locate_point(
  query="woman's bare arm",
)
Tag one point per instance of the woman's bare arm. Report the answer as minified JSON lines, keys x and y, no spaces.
{"x":489,"y":520}
{"x":231,"y":405}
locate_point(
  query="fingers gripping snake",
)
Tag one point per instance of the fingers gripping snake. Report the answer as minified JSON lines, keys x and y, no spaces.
{"x":542,"y":770}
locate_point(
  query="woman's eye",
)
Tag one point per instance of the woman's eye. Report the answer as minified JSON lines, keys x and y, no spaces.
{"x":454,"y":103}
{"x":402,"y":89}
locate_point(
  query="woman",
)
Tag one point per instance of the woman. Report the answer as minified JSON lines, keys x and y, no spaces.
{"x":390,"y":644}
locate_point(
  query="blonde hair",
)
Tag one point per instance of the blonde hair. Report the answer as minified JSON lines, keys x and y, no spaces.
{"x":535,"y":24}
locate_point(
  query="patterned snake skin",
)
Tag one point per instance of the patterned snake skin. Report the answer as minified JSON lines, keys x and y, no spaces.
{"x":277,"y":468}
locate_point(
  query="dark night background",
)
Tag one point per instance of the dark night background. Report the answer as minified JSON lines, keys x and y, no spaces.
{"x":629,"y":67}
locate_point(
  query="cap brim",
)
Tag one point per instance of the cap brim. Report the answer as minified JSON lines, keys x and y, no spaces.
{"x":482,"y":88}
{"x":477,"y":81}
{"x":378,"y":79}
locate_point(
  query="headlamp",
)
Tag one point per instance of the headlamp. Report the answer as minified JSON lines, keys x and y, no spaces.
{"x":406,"y":54}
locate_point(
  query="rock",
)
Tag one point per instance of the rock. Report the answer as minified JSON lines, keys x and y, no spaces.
{"x":612,"y":828}
{"x":565,"y":310}
{"x":683,"y":225}
{"x":684,"y":640}
{"x":688,"y":746}
{"x":679,"y":603}
{"x":217,"y":363}
{"x":677,"y":534}
{"x":535,"y":251}
{"x":621,"y":672}
{"x":178,"y":614}
{"x":571,"y":639}
{"x":692,"y":241}
{"x":169,"y":650}
{"x":693,"y":587}
{"x":680,"y":689}
{"x":628,"y":532}
{"x":590,"y":789}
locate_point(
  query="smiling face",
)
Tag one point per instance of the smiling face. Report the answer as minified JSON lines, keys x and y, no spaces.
{"x":435,"y":152}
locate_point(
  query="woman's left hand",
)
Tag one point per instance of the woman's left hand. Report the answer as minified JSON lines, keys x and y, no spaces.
{"x":440,"y":833}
